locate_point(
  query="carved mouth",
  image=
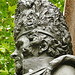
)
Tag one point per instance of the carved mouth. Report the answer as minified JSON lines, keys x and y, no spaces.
{"x":16,"y":61}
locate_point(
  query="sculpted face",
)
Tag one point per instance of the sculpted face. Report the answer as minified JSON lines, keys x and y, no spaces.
{"x":22,"y":51}
{"x":26,"y":48}
{"x":21,"y":46}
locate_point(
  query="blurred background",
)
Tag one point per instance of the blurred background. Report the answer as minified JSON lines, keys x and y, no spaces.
{"x":7,"y":44}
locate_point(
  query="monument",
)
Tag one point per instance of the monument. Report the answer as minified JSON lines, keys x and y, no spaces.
{"x":42,"y":40}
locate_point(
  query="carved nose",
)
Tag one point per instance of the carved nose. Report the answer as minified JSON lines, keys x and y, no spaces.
{"x":13,"y":55}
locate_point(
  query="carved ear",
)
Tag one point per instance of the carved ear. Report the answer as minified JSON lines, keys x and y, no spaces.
{"x":43,"y":46}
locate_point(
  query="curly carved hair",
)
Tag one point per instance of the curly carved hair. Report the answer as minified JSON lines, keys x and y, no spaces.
{"x":45,"y":16}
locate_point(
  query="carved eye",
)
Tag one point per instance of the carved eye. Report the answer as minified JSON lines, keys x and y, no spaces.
{"x":31,"y":38}
{"x":19,"y":44}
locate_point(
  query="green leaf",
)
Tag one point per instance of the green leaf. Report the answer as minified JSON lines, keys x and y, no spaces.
{"x":2,"y":50}
{"x":0,"y":12}
{"x":12,"y":8}
{"x":4,"y":72}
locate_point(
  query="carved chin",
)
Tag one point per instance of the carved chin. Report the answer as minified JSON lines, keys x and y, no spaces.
{"x":18,"y":68}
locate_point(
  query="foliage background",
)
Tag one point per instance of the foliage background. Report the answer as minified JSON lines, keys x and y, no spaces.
{"x":7,"y":44}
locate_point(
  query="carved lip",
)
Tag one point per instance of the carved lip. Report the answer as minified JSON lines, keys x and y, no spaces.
{"x":16,"y":61}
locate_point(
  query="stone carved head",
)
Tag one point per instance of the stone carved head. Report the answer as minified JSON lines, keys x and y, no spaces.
{"x":39,"y":28}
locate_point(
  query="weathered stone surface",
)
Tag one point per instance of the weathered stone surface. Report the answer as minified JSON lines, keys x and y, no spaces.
{"x":43,"y":17}
{"x":40,"y":35}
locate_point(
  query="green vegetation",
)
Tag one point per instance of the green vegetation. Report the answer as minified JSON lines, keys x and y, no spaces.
{"x":7,"y":45}
{"x":59,"y":4}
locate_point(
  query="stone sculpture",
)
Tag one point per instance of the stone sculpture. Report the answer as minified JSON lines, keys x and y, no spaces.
{"x":42,"y":39}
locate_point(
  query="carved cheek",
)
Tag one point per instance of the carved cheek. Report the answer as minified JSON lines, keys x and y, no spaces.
{"x":26,"y":42}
